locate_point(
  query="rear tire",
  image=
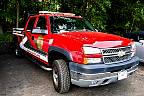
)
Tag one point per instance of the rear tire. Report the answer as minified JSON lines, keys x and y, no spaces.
{"x":61,"y":76}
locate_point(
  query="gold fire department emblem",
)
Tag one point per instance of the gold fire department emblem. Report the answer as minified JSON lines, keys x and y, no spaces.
{"x":40,"y":42}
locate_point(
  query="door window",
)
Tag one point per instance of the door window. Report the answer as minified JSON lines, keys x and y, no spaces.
{"x":41,"y":26}
{"x":42,"y":23}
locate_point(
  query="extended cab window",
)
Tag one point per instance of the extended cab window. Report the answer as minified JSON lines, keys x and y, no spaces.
{"x":31,"y":23}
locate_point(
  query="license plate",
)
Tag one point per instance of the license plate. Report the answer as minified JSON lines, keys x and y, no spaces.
{"x":122,"y":75}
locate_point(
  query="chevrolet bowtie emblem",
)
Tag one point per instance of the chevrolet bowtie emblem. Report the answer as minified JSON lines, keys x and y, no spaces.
{"x":121,"y":53}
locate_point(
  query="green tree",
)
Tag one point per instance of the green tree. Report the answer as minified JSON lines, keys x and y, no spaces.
{"x":114,"y":16}
{"x":125,"y":16}
{"x":94,"y":10}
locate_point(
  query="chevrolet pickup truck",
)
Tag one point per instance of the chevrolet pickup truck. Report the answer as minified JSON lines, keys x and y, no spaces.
{"x":69,"y":46}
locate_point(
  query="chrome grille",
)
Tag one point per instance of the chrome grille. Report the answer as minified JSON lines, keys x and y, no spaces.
{"x":115,"y":50}
{"x":115,"y":55}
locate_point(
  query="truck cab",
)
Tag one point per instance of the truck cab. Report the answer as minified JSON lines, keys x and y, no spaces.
{"x":75,"y":52}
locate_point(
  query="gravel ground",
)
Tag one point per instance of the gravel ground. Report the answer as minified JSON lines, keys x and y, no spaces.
{"x":21,"y":77}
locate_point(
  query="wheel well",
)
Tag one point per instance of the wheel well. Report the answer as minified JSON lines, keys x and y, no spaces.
{"x":53,"y":55}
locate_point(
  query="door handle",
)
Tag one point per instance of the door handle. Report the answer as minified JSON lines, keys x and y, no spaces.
{"x":32,"y":37}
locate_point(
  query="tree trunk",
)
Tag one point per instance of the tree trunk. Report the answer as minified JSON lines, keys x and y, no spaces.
{"x":1,"y":31}
{"x":17,"y":14}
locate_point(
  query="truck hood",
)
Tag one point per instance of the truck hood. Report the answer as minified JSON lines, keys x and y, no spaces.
{"x":97,"y":39}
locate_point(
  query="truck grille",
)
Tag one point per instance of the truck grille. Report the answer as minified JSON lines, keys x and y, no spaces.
{"x":115,"y":55}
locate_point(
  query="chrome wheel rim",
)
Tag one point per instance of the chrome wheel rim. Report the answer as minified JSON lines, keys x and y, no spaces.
{"x":55,"y":77}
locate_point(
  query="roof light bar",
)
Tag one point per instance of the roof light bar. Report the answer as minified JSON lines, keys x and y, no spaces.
{"x":69,"y":14}
{"x":47,"y":12}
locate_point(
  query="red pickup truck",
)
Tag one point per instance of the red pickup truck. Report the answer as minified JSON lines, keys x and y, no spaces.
{"x":69,"y":46}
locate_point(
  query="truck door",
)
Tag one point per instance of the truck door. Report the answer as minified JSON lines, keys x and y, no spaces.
{"x":28,"y":32}
{"x":36,"y":38}
{"x":40,"y":34}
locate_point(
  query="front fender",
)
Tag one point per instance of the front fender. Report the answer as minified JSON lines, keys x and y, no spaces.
{"x":62,"y":51}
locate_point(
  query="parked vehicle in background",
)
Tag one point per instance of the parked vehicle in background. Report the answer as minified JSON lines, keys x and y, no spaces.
{"x":138,"y":37}
{"x":77,"y":54}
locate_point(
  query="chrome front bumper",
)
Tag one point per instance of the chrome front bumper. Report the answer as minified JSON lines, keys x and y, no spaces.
{"x":141,"y":60}
{"x":100,"y":74}
{"x":90,"y":80}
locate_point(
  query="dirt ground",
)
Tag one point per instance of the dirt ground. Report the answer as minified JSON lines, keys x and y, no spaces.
{"x":21,"y":77}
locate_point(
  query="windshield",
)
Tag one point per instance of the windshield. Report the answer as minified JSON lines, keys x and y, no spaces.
{"x":61,"y":24}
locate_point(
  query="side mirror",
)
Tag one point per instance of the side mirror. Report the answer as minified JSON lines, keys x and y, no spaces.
{"x":39,"y":31}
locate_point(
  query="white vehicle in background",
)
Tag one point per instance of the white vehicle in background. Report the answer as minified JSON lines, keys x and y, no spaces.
{"x":140,"y":50}
{"x":138,"y":37}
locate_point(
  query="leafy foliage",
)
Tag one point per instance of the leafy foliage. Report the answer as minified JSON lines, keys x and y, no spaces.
{"x":114,"y":16}
{"x":7,"y":37}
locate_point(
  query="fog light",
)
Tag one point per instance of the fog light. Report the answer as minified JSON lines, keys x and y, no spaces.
{"x":92,"y":60}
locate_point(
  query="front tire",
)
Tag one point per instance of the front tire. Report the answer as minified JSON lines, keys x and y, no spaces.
{"x":61,"y":76}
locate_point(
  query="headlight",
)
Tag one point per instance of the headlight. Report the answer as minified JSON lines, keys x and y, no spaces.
{"x":133,"y":49}
{"x":90,"y":50}
{"x":92,"y":55}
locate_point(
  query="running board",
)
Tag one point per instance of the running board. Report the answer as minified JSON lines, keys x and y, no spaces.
{"x":40,"y":65}
{"x":45,"y":68}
